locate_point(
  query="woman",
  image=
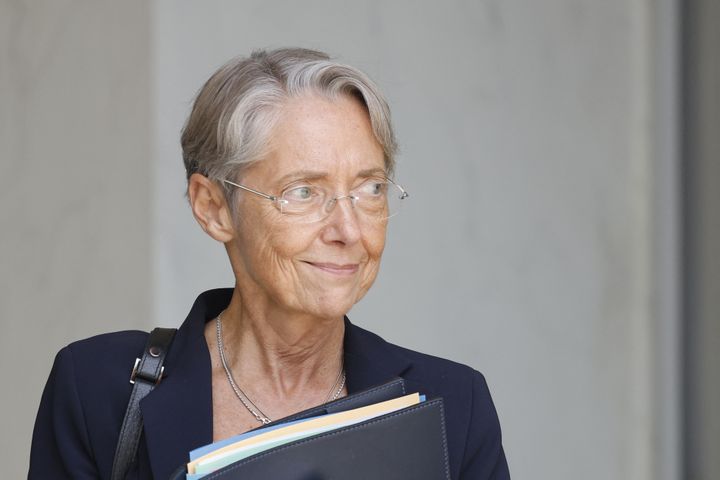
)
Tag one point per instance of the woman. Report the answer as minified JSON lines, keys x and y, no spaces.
{"x":290,"y":159}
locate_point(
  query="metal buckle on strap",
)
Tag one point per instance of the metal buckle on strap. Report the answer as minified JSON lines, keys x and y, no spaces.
{"x":135,"y":372}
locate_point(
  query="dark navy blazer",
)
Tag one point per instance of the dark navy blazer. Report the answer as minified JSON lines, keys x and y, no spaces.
{"x":84,"y":401}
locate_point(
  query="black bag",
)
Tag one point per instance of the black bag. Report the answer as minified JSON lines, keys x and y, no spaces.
{"x":146,"y":374}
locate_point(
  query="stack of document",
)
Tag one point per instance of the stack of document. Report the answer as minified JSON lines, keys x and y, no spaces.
{"x":210,"y":458}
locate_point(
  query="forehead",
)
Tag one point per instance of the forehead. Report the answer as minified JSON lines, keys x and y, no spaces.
{"x":316,"y":134}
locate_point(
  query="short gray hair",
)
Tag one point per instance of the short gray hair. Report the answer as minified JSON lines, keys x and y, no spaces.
{"x":235,"y":111}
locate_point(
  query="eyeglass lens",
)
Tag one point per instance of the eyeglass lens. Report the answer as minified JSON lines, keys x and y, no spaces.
{"x":375,"y":200}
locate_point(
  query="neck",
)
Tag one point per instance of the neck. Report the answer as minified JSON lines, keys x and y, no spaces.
{"x":279,"y":353}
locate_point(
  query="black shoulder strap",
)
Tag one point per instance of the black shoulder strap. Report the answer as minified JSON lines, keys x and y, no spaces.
{"x":147,"y":372}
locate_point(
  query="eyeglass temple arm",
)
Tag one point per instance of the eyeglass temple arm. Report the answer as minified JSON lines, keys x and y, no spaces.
{"x":264,"y":195}
{"x":404,"y":193}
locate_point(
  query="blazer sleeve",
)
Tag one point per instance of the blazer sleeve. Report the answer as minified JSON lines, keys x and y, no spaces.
{"x":61,"y":445}
{"x":484,"y":456}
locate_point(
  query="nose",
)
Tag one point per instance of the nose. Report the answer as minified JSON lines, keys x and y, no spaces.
{"x":342,"y":223}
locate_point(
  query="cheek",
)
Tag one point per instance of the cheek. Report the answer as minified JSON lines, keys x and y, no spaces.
{"x":374,"y":242}
{"x":276,"y":247}
{"x":267,"y":246}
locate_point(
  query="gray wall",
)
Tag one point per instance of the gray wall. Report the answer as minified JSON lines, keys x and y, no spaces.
{"x":75,"y":135}
{"x":528,"y":247}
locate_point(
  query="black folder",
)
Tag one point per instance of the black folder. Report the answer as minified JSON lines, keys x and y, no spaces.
{"x":406,"y":444}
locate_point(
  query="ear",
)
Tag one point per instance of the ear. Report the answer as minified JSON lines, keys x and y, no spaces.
{"x":210,"y":208}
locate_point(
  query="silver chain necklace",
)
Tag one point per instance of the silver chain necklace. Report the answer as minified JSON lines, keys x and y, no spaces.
{"x":245,"y":400}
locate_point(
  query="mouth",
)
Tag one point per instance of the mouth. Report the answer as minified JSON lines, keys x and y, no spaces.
{"x":346,"y":269}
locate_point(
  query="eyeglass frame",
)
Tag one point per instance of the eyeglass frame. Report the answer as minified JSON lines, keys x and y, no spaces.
{"x":277,"y":199}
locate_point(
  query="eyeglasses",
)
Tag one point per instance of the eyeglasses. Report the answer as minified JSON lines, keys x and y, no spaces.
{"x":375,"y":199}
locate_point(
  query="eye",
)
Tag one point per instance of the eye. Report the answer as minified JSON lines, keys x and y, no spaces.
{"x":301,"y":193}
{"x":373,"y":188}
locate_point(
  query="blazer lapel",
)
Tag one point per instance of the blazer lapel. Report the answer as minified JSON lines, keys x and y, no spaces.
{"x":177,"y":415}
{"x":370,"y":360}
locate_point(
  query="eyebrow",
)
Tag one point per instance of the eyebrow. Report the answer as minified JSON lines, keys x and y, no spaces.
{"x":302,"y":175}
{"x":372,"y":172}
{"x":317,"y":175}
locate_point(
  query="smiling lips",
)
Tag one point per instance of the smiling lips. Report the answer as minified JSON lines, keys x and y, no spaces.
{"x":336,"y":269}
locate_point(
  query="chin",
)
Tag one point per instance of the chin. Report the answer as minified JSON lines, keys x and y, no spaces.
{"x":332,"y":311}
{"x":333,"y":305}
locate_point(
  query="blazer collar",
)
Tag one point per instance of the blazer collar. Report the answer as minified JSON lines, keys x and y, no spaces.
{"x":177,"y":415}
{"x":370,"y":360}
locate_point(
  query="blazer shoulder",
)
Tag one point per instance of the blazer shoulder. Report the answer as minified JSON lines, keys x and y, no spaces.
{"x":435,"y":375}
{"x":433,"y":362}
{"x":109,"y":344}
{"x":101,"y":366}
{"x":423,"y":362}
{"x":451,"y":379}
